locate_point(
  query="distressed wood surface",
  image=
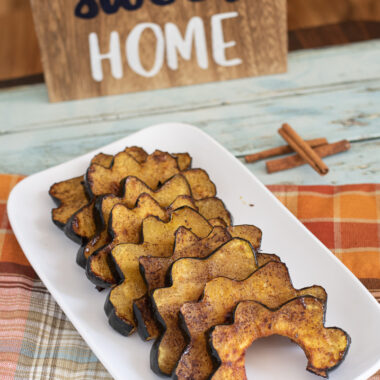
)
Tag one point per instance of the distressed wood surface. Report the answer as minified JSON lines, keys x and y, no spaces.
{"x":333,"y":92}
{"x":311,"y":23}
{"x":19,"y":54}
{"x":258,"y":28}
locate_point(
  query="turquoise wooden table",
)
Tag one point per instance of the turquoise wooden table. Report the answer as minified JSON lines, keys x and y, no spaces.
{"x":331,"y":92}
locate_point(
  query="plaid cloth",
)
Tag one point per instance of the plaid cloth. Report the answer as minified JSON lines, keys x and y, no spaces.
{"x":38,"y":341}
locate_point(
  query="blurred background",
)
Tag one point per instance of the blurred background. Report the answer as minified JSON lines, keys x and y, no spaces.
{"x":311,"y":24}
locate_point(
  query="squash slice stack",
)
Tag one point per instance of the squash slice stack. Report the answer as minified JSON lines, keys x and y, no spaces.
{"x":235,"y":259}
{"x":151,"y":228}
{"x":114,"y":233}
{"x":155,"y":269}
{"x":71,"y":196}
{"x":158,"y":240}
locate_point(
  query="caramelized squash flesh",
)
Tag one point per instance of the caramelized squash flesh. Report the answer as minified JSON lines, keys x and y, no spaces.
{"x":158,"y":240}
{"x":92,"y":223}
{"x":156,"y":169}
{"x":235,"y":259}
{"x":77,"y":206}
{"x":154,"y":269}
{"x":70,"y":195}
{"x":301,"y":320}
{"x":270,"y":285}
{"x":97,"y":249}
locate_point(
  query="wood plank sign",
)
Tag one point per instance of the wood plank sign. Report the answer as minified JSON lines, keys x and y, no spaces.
{"x":103,"y":47}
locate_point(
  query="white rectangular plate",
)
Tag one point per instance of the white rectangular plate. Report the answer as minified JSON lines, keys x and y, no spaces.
{"x":52,"y":255}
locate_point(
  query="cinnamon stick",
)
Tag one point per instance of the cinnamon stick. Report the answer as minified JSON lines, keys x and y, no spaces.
{"x":281,"y":150}
{"x":295,"y":160}
{"x":303,"y":149}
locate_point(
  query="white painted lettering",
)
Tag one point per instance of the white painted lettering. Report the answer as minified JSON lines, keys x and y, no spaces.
{"x":195,"y":34}
{"x":219,"y":45}
{"x":113,"y":55}
{"x":133,"y":53}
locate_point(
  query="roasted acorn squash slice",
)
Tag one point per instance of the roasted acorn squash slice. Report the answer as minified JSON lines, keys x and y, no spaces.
{"x":97,"y":268}
{"x":89,"y":223}
{"x":154,"y":269}
{"x":70,"y":195}
{"x":235,"y":259}
{"x":158,"y":239}
{"x":270,"y":285}
{"x":156,"y":169}
{"x":301,"y":320}
{"x":133,"y":188}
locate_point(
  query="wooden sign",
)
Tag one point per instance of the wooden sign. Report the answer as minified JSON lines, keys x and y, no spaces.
{"x":103,"y":47}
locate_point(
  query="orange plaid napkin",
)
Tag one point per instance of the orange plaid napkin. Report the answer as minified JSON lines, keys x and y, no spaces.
{"x":12,"y":259}
{"x":36,"y":337}
{"x":346,"y":219}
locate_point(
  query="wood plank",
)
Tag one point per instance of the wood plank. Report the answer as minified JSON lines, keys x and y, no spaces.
{"x":309,"y":14}
{"x":361,"y":164}
{"x":326,"y":93}
{"x":256,"y":30}
{"x":334,"y":111}
{"x":333,"y":34}
{"x":342,"y":109}
{"x":312,"y":70}
{"x":19,"y":52}
{"x":243,"y":128}
{"x":301,"y":15}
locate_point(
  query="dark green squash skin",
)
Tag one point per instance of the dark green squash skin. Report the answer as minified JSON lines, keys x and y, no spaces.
{"x":87,"y":185}
{"x":57,"y":202}
{"x":114,"y":321}
{"x":95,"y":279}
{"x":98,"y":215}
{"x":186,"y":334}
{"x":99,"y":281}
{"x":118,"y":324}
{"x":100,"y":224}
{"x":141,"y":327}
{"x":81,"y":258}
{"x":70,"y":232}
{"x":60,"y":225}
{"x":154,"y":364}
{"x":116,"y":271}
{"x":216,"y":359}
